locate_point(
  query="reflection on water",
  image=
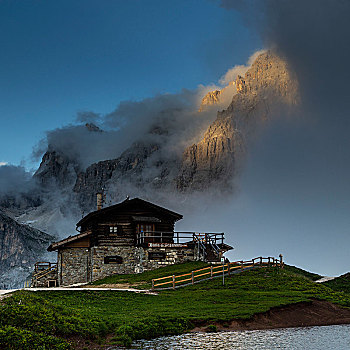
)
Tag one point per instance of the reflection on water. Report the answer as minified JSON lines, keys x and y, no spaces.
{"x":309,"y":338}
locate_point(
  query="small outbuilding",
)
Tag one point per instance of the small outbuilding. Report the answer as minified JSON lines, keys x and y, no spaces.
{"x":130,"y":237}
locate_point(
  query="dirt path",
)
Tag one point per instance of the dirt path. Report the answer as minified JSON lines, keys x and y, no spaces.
{"x":8,"y":292}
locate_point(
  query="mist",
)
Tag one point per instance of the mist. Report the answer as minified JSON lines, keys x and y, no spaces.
{"x":294,"y":192}
{"x":15,"y":179}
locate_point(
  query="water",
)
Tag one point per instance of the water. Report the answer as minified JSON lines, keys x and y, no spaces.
{"x":306,"y":338}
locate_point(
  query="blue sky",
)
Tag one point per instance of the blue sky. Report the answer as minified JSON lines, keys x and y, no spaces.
{"x":61,"y":57}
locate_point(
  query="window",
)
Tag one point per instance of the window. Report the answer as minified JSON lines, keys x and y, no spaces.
{"x":113,"y":229}
{"x":156,"y":255}
{"x":113,"y":259}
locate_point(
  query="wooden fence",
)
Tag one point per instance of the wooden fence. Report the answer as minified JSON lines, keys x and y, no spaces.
{"x":173,"y":281}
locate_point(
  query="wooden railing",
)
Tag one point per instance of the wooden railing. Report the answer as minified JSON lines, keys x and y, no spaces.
{"x":179,"y":237}
{"x":43,"y":266}
{"x":173,"y":281}
{"x":42,"y":269}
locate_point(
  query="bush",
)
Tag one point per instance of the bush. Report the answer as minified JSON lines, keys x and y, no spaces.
{"x":149,"y":329}
{"x":211,"y":328}
{"x":12,"y":338}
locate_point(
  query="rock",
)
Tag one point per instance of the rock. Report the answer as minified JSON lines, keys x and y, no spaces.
{"x":216,"y":159}
{"x":20,"y":247}
{"x":211,"y":98}
{"x":56,"y":170}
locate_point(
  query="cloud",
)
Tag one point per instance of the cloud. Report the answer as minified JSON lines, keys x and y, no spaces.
{"x":298,"y":172}
{"x":169,"y":120}
{"x":14,"y":179}
{"x":232,"y":73}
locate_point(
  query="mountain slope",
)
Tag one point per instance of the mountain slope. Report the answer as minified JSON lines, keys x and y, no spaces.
{"x":20,"y":248}
{"x":339,"y":284}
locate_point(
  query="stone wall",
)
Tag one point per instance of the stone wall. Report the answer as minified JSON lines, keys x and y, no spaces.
{"x":172,"y":256}
{"x":132,"y":258}
{"x":79,"y":265}
{"x":135,"y":259}
{"x":74,"y":266}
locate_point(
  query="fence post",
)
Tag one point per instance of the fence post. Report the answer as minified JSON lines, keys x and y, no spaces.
{"x":242,"y":265}
{"x":192,"y":277}
{"x":261,"y":260}
{"x":228,"y":268}
{"x":153,"y":284}
{"x":173,"y":281}
{"x":211,"y":271}
{"x":281,"y":260}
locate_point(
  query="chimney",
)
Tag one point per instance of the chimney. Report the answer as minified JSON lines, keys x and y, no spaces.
{"x":99,"y":200}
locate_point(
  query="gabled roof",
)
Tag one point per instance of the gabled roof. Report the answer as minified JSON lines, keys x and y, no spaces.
{"x":129,"y":203}
{"x":67,"y":240}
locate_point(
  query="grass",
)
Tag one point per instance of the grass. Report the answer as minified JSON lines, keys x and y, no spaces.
{"x":57,"y":315}
{"x":340,"y":284}
{"x":299,"y":271}
{"x":143,"y":280}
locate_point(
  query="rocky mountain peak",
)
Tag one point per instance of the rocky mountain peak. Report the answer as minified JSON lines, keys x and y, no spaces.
{"x":211,"y":98}
{"x":216,"y":159}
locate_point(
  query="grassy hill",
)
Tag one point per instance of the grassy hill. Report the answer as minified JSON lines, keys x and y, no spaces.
{"x":340,"y":284}
{"x":49,"y":320}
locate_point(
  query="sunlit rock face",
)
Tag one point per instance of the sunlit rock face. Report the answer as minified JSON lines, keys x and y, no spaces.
{"x":211,"y":98}
{"x":217,"y":158}
{"x":20,"y":247}
{"x":218,"y":97}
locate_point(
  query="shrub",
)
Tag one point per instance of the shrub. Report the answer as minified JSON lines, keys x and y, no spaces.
{"x":211,"y":328}
{"x":12,"y":338}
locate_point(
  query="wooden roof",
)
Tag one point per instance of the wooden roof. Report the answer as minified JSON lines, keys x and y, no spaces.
{"x":129,"y":204}
{"x":67,"y":240}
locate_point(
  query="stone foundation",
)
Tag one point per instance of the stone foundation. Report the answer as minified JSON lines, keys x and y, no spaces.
{"x":132,"y":259}
{"x":80,"y":265}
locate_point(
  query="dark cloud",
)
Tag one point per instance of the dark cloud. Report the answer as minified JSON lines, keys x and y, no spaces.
{"x":15,"y":179}
{"x":313,"y":35}
{"x":298,"y":172}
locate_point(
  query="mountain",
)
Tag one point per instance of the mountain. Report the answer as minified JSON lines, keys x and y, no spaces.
{"x":217,"y":158}
{"x":20,"y":247}
{"x":57,"y":169}
{"x":212,"y":162}
{"x":151,"y":168}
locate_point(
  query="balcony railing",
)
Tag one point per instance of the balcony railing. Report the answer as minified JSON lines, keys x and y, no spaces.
{"x":179,"y":237}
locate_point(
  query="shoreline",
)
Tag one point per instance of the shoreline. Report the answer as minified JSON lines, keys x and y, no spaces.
{"x":303,"y":314}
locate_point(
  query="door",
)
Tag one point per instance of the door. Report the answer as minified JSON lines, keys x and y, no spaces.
{"x":146,"y":233}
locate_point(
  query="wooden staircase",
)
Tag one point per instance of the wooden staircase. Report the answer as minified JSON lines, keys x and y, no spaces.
{"x":45,"y":275}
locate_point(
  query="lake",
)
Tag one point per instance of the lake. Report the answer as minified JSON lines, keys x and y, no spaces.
{"x":306,"y":338}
